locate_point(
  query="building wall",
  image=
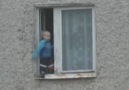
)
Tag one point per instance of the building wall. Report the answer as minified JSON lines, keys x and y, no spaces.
{"x":17,"y":42}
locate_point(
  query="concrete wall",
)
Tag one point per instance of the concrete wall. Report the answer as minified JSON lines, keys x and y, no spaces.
{"x":16,"y":45}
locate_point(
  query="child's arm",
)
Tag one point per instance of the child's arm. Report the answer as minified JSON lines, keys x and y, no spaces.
{"x":36,"y":52}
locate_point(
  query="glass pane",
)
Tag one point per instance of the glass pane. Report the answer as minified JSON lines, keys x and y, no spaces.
{"x":77,"y":39}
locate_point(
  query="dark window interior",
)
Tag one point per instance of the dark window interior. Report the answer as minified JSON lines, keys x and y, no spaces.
{"x":46,"y":23}
{"x":47,"y":20}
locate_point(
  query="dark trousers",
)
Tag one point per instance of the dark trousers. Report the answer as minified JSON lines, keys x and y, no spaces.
{"x":44,"y":63}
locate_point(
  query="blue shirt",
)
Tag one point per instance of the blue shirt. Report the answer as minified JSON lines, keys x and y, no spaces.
{"x":44,"y":50}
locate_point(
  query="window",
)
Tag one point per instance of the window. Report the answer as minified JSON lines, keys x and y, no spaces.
{"x":73,"y":37}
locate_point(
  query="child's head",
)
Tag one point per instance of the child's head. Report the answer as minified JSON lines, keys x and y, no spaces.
{"x":46,"y":35}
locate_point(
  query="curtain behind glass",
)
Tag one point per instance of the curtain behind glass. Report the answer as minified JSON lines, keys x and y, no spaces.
{"x":77,"y":39}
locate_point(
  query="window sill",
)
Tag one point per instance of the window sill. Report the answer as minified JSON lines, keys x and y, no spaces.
{"x":68,"y":76}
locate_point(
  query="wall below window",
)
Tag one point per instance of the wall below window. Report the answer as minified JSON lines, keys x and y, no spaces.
{"x":17,"y":26}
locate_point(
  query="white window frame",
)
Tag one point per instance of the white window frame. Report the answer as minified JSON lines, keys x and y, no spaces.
{"x":58,"y":39}
{"x":59,"y":74}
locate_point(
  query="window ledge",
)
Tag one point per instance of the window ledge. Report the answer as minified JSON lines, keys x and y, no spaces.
{"x":68,"y":76}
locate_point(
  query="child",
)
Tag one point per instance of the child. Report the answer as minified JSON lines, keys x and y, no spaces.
{"x":44,"y":51}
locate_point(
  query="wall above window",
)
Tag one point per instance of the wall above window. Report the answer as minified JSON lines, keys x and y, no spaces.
{"x":64,"y":5}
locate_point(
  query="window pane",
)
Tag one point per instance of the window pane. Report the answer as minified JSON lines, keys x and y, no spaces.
{"x":77,"y":39}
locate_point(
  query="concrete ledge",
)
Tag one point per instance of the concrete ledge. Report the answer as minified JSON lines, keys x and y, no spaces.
{"x":64,"y":5}
{"x":69,"y":76}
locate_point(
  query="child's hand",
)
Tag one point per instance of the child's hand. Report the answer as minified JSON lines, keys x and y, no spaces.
{"x":34,"y":56}
{"x":51,"y":68}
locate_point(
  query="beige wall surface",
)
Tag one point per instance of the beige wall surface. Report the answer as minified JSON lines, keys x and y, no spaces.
{"x":17,"y":26}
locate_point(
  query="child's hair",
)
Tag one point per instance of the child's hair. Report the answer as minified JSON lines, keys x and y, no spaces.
{"x":45,"y":31}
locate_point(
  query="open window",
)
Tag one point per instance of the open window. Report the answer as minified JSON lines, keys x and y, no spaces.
{"x":73,"y":37}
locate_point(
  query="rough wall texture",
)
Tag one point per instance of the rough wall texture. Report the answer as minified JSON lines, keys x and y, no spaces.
{"x":16,"y":44}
